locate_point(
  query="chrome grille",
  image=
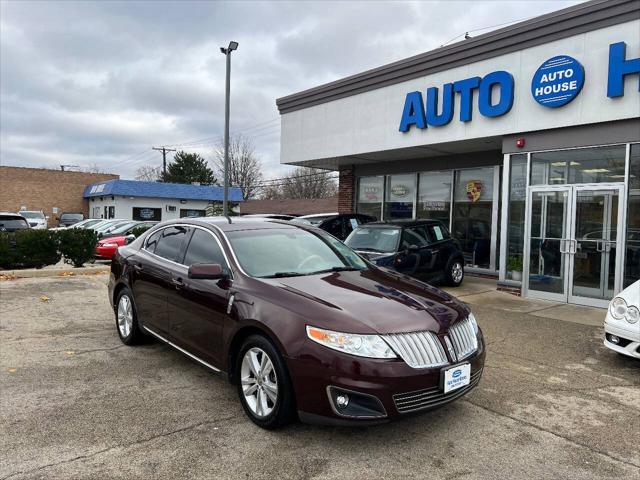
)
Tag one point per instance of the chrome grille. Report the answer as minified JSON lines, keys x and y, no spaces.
{"x":464,"y":338}
{"x":432,"y":397}
{"x":418,"y":349}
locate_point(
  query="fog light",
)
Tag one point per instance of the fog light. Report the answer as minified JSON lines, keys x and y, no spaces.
{"x":342,"y":400}
{"x":614,"y":339}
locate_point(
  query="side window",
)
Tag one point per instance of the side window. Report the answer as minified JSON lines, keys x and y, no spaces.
{"x":203,"y":248}
{"x":438,"y":232}
{"x":414,"y":236}
{"x":350,"y":224}
{"x":152,"y":241}
{"x":170,"y":242}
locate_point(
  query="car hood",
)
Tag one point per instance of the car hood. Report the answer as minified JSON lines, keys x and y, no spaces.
{"x":368,"y":301}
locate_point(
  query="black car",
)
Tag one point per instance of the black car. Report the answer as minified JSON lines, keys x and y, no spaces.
{"x":70,"y":218}
{"x":421,"y":248}
{"x":338,"y":225}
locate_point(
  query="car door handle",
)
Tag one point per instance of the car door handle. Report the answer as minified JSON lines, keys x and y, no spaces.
{"x":137,"y":267}
{"x":177,"y":282}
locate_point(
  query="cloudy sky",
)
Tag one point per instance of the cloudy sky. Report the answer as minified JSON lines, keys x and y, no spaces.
{"x":99,"y":83}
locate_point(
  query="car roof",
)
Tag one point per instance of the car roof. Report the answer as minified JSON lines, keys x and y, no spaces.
{"x":230,"y":224}
{"x":402,"y":223}
{"x":11,"y":214}
{"x":315,"y":215}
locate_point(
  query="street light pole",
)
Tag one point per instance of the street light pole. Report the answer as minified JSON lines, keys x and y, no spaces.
{"x":227,"y":52}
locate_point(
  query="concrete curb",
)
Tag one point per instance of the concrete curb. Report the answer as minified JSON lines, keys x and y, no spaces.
{"x":55,"y":272}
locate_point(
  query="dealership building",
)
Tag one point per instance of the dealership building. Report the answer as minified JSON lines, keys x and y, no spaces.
{"x":524,"y":141}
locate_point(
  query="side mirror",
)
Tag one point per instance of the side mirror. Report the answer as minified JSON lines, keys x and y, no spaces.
{"x":207,"y":271}
{"x":413,"y":249}
{"x":129,"y":238}
{"x":46,"y":217}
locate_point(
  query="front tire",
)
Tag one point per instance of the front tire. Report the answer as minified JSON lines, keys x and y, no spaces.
{"x":127,"y":318}
{"x":264,"y":385}
{"x":454,"y":272}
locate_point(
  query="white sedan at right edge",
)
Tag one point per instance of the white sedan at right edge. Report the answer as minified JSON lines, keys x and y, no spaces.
{"x":622,"y":323}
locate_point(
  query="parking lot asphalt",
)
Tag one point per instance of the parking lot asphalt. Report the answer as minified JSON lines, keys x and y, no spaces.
{"x":553,"y":403}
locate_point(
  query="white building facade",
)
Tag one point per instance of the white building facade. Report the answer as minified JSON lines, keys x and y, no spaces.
{"x":525,"y":142}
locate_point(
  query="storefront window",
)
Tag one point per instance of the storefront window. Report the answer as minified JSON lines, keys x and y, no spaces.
{"x":632,"y":254}
{"x":516,"y":213}
{"x":400,"y":196}
{"x":472,"y":211}
{"x":434,"y":196}
{"x":583,"y":165}
{"x":370,"y":194}
{"x":143,"y":213}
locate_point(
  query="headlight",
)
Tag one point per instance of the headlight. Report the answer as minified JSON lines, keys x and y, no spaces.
{"x":619,"y":310}
{"x":372,"y":346}
{"x":473,"y":321}
{"x":109,"y":245}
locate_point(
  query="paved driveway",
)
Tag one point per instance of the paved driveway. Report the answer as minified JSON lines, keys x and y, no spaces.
{"x":76,"y":403}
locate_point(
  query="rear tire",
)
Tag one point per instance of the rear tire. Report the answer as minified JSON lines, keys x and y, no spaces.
{"x":263,"y":383}
{"x":454,"y":272}
{"x":127,"y":318}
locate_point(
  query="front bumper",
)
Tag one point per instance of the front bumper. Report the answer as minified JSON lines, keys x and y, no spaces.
{"x":629,"y":333}
{"x":400,"y":389}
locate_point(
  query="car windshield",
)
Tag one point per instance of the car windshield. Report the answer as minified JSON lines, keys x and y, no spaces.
{"x":88,"y":223}
{"x":32,"y":214}
{"x":123,"y":228}
{"x":374,"y":239}
{"x":71,"y":216}
{"x":108,"y":226}
{"x":269,"y":253}
{"x":12,"y":222}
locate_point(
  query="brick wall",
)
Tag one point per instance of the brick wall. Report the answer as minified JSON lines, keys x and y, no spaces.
{"x":43,"y":189}
{"x":346,"y":191}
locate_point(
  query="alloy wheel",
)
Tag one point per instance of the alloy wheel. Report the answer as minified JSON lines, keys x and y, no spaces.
{"x":125,"y":316}
{"x":457,"y":272}
{"x":259,"y":382}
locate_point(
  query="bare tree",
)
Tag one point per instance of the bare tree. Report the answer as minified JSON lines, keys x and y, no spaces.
{"x":148,"y":173}
{"x":303,"y":182}
{"x":245,"y":168}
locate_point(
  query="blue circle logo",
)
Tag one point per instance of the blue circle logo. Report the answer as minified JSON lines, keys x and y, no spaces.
{"x":557,"y":81}
{"x":457,"y":373}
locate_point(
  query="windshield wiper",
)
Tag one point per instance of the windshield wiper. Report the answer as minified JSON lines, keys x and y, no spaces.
{"x":367,"y":249}
{"x":285,"y":274}
{"x":335,"y":269}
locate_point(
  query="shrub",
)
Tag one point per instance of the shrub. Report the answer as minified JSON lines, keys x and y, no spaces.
{"x":77,"y":245}
{"x":137,"y":231}
{"x":28,"y":249}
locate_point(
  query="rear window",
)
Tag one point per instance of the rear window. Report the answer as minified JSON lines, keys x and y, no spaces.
{"x":12,"y":222}
{"x":374,"y":239}
{"x":32,"y":214}
{"x":72,"y":216}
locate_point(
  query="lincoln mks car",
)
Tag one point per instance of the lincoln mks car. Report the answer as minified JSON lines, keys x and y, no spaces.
{"x":300,"y":323}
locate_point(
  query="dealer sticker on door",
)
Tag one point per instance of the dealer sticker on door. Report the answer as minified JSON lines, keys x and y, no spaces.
{"x":457,"y":377}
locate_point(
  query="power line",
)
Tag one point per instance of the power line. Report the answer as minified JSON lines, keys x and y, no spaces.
{"x":466,"y":34}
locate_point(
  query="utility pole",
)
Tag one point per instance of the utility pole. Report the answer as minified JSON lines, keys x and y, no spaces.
{"x":62,"y":167}
{"x":164,"y":151}
{"x":225,"y":199}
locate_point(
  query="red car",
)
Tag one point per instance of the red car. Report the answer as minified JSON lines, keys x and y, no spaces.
{"x":107,"y":247}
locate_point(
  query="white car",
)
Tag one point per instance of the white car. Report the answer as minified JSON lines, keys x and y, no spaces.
{"x":622,"y":323}
{"x":36,"y":219}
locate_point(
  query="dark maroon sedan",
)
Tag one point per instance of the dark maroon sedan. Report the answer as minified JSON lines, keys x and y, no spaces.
{"x":299,"y":322}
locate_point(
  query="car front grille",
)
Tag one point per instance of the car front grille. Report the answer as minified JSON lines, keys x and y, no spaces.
{"x":418,"y":349}
{"x":431,"y":397}
{"x":464,"y":338}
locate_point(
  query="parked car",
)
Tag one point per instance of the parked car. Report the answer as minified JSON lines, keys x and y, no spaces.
{"x":108,"y":225}
{"x":421,"y":248}
{"x":297,"y":320}
{"x":67,"y":219}
{"x":338,"y":225}
{"x":272,"y":216}
{"x":10,"y":222}
{"x":36,"y":219}
{"x":622,"y":322}
{"x":107,"y":246}
{"x":126,"y":228}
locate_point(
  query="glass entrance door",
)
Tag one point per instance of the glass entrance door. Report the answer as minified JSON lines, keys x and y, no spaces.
{"x":572,"y":243}
{"x":595,"y":244}
{"x":546,"y":258}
